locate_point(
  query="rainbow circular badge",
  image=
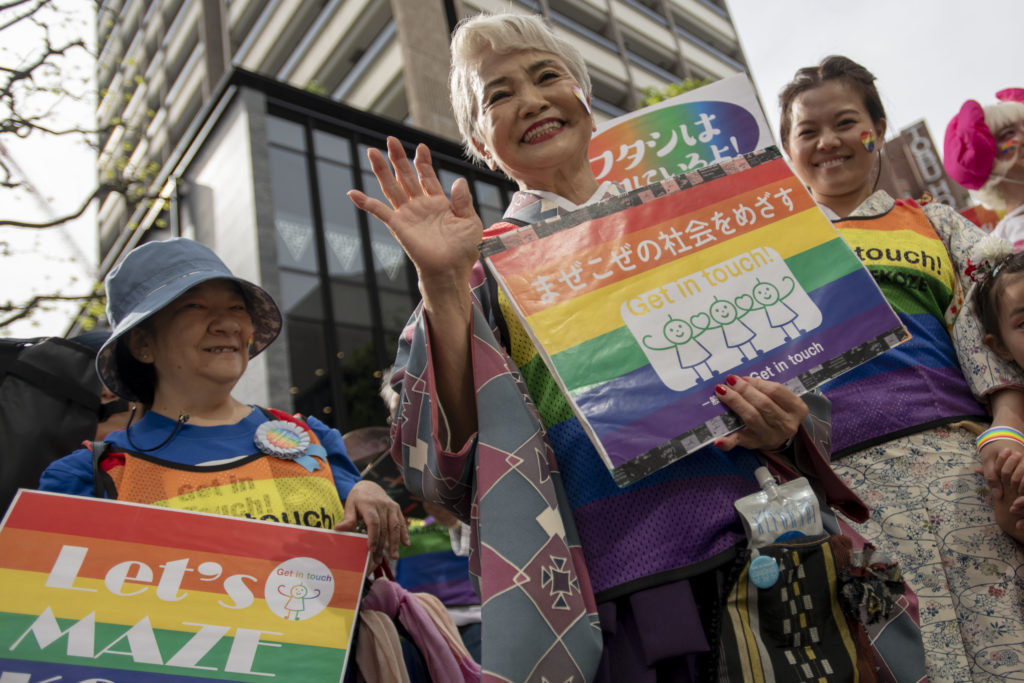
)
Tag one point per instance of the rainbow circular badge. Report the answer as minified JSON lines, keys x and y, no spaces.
{"x":282,"y":439}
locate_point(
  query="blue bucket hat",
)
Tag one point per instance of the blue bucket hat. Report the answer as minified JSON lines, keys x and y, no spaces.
{"x":152,"y":276}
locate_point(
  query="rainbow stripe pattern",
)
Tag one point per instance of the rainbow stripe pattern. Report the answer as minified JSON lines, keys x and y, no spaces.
{"x":639,"y":305}
{"x":97,"y":589}
{"x":867,"y":138}
{"x":693,"y":130}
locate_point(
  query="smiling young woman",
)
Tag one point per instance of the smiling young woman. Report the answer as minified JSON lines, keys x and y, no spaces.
{"x":826,"y":144}
{"x":897,"y":430}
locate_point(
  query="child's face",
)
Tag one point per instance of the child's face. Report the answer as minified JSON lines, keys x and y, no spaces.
{"x":1011,"y":320}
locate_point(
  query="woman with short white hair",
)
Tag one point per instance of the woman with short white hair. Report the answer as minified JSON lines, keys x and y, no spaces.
{"x":483,"y":428}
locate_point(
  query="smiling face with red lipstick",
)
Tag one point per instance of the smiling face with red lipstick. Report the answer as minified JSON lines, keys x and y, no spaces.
{"x":531,"y":124}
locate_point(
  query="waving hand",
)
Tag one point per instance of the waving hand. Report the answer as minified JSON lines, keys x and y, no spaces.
{"x":439,"y":235}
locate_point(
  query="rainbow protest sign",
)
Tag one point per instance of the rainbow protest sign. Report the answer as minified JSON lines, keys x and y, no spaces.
{"x":699,"y":128}
{"x":641,"y":303}
{"x":107,"y":591}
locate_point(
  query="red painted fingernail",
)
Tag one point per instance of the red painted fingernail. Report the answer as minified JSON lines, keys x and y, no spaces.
{"x":717,"y":443}
{"x":732,"y":380}
{"x":720,"y":389}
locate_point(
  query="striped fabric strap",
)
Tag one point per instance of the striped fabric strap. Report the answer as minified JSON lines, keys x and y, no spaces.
{"x":998,"y":434}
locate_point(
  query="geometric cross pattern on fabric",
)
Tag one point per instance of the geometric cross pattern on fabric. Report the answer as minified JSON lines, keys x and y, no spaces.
{"x":550,"y":521}
{"x":559,"y":582}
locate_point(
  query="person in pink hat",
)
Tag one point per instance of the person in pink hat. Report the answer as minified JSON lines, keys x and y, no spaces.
{"x":984,"y":152}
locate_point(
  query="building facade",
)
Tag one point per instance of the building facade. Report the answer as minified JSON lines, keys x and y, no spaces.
{"x":247,"y":120}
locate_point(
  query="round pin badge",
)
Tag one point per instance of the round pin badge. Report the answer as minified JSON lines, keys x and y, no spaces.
{"x":281,"y":439}
{"x":764,"y":571}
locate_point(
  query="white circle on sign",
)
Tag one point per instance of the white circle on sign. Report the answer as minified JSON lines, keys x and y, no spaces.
{"x":299,"y":588}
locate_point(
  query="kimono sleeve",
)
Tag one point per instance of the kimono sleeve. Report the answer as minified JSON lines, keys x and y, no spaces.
{"x":984,"y":371}
{"x":435,"y":470}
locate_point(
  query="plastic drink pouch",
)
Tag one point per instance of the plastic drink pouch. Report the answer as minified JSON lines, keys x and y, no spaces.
{"x":779,"y":511}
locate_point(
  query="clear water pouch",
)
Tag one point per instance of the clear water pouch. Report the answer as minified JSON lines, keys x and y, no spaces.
{"x":779,"y":512}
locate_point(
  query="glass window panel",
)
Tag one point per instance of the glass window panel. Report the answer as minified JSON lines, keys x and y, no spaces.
{"x":333,"y":147}
{"x":488,"y":195}
{"x":284,"y":132}
{"x":310,"y":383}
{"x":396,"y":307}
{"x":371,"y":188}
{"x":488,"y":202}
{"x":360,"y":379}
{"x":351,"y":303}
{"x":489,"y":216}
{"x":301,"y":295}
{"x":293,"y":214}
{"x":389,"y":259}
{"x":447,"y":179}
{"x":342,"y":237}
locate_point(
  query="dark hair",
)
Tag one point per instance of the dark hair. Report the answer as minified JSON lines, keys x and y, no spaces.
{"x":139,"y":377}
{"x":987,"y":295}
{"x":832,"y":68}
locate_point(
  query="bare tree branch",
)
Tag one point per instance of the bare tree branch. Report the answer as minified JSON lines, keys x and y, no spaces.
{"x":11,"y":5}
{"x":24,"y":310}
{"x":100,"y":192}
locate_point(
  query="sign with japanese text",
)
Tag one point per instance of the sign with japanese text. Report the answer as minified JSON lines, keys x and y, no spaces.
{"x":99,"y":590}
{"x":641,"y":303}
{"x":915,"y":169}
{"x":699,"y":128}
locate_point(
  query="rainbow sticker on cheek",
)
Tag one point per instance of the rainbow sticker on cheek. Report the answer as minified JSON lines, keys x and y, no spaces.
{"x":867,"y":138}
{"x":1008,"y":147}
{"x":578,"y":92}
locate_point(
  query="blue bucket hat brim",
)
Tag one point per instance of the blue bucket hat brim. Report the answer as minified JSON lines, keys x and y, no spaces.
{"x":152,"y":276}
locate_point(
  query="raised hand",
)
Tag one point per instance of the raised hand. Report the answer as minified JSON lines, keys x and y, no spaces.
{"x":770,"y":412}
{"x":439,"y":235}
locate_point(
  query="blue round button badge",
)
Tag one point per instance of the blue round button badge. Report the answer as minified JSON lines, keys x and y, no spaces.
{"x":764,"y":571}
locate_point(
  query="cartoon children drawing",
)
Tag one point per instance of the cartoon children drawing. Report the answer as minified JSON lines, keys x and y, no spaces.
{"x":725,"y":316}
{"x":766,"y":296}
{"x":297,"y":596}
{"x":691,"y":353}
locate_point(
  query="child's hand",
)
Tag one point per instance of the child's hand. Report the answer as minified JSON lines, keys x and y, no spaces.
{"x":1008,"y":500}
{"x":1009,"y":465}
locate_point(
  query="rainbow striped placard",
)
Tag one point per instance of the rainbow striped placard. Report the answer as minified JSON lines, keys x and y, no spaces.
{"x":694,"y":130}
{"x":102,"y":590}
{"x":640,"y":304}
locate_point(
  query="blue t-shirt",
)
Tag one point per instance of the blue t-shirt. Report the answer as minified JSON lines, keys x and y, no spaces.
{"x":192,"y":445}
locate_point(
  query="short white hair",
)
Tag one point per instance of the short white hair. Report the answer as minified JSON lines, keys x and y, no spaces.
{"x":503,"y":34}
{"x":999,"y":115}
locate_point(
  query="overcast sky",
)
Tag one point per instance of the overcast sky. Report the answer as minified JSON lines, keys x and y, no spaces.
{"x":928,"y":55}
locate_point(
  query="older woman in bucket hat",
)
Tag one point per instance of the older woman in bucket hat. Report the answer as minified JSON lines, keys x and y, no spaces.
{"x":184,"y":329}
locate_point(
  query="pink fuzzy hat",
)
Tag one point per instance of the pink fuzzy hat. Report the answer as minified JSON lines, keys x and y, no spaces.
{"x":969,"y":148}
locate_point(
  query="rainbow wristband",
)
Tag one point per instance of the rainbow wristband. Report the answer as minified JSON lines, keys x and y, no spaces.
{"x":998,"y":434}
